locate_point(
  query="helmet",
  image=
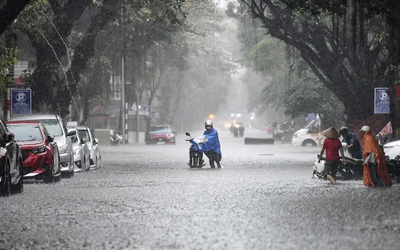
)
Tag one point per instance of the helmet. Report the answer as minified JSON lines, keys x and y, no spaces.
{"x":365,"y":128}
{"x":343,"y":130}
{"x":208,"y":123}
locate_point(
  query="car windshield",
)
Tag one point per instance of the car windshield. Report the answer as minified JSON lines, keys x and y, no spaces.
{"x":156,"y":130}
{"x":26,"y":132}
{"x":53,"y":126}
{"x":84,"y":134}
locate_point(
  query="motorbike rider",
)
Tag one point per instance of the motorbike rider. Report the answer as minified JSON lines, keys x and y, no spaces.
{"x":353,"y":145}
{"x":212,"y":148}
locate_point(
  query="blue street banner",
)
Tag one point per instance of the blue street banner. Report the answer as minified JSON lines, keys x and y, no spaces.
{"x":381,"y":101}
{"x":21,"y":102}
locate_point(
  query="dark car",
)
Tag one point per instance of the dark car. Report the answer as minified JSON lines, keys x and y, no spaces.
{"x":40,"y":156}
{"x":11,"y":176}
{"x":160,"y":134}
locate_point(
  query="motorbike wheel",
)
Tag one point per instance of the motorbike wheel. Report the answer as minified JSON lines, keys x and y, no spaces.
{"x":195,"y":162}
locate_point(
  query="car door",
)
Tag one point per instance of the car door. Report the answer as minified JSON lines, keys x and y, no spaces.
{"x":11,"y":148}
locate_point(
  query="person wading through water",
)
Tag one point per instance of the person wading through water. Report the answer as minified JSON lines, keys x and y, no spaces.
{"x":332,"y":146}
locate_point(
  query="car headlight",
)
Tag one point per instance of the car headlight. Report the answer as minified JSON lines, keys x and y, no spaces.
{"x":62,"y":149}
{"x":39,"y":150}
{"x":77,"y":151}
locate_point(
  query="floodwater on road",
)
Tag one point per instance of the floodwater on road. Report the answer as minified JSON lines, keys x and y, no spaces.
{"x":146,"y":197}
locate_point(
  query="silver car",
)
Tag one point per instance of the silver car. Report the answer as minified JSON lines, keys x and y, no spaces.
{"x":56,"y":127}
{"x":93,"y":145}
{"x":81,"y":151}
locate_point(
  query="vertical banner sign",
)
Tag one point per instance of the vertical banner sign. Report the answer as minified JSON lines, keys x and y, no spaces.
{"x":381,"y":101}
{"x":21,"y":102}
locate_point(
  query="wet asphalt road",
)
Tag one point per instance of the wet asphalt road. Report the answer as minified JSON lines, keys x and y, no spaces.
{"x":145,"y":197}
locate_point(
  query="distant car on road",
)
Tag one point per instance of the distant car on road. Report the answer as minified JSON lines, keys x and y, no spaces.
{"x":40,"y":156}
{"x":56,"y":127}
{"x":11,"y":175}
{"x":160,"y":133}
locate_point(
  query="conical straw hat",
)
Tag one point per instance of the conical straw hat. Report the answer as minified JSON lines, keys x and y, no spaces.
{"x":331,"y":133}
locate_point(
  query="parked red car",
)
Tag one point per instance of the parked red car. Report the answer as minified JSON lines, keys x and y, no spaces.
{"x":160,"y":133}
{"x":41,"y":159}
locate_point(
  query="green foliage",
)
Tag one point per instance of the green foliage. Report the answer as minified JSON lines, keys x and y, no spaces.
{"x":7,"y":59}
{"x":310,"y":96}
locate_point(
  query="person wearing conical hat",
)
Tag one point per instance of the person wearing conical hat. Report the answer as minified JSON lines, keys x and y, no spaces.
{"x":332,"y":145}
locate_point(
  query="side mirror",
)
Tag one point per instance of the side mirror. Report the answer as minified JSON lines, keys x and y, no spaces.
{"x":71,"y":132}
{"x":96,"y":141}
{"x":8,"y":137}
{"x":83,"y":140}
{"x":50,"y":138}
{"x":187,"y":133}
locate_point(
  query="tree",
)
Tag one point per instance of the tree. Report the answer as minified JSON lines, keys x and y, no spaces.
{"x":9,"y":11}
{"x":349,"y":70}
{"x":60,"y":60}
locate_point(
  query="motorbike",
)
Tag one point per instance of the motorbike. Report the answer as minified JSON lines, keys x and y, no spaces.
{"x":115,"y":137}
{"x":352,"y":170}
{"x":393,"y":167}
{"x":195,"y":159}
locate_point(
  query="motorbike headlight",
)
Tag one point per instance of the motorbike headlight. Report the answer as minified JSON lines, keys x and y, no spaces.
{"x":39,"y":150}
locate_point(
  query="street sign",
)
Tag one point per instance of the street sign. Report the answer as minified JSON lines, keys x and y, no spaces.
{"x":21,"y":102}
{"x":381,"y":101}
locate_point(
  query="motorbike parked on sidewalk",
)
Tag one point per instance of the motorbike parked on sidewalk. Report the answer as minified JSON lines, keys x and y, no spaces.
{"x":352,"y":170}
{"x":195,"y":155}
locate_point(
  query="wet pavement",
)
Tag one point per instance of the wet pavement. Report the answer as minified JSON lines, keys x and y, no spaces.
{"x":146,"y":197}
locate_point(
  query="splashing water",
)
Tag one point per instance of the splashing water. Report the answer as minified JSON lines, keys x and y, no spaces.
{"x":67,"y":67}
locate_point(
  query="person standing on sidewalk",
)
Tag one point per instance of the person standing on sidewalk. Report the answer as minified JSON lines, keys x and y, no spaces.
{"x":332,"y":145}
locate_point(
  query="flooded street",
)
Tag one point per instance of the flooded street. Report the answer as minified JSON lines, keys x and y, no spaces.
{"x":146,"y":197}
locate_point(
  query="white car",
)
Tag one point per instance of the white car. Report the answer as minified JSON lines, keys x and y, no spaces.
{"x":391,"y":149}
{"x":309,"y":136}
{"x":81,"y":151}
{"x":93,"y":145}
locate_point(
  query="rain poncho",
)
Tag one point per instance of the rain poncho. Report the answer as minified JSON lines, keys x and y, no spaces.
{"x":213,"y":142}
{"x":371,"y":146}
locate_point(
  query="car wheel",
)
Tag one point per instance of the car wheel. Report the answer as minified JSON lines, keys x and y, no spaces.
{"x":87,"y":164}
{"x":49,"y":175}
{"x":6,"y":182}
{"x":98,"y":162}
{"x":70,"y":173}
{"x":309,"y":143}
{"x":71,"y":163}
{"x":19,"y":188}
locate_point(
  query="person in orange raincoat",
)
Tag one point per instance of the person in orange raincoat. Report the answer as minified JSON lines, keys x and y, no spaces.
{"x":375,"y":171}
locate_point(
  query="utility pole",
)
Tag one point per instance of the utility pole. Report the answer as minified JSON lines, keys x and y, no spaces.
{"x":124,"y":129}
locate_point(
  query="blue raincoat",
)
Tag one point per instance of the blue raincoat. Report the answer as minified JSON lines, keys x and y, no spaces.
{"x":212,"y":143}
